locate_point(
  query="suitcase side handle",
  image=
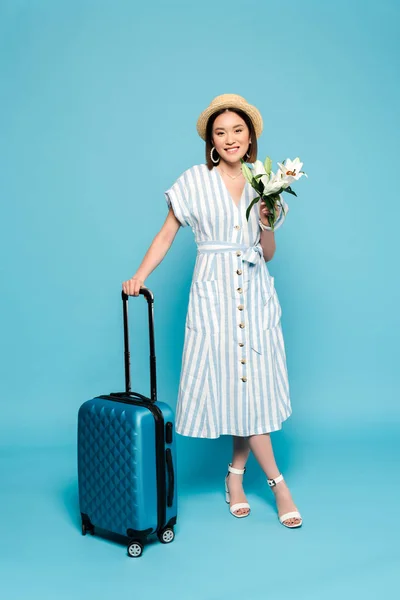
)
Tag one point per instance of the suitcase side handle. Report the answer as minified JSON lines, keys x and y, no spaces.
{"x":171,"y":477}
{"x":127,"y":356}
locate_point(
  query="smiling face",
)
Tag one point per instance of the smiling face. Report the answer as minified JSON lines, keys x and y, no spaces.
{"x":231,"y":137}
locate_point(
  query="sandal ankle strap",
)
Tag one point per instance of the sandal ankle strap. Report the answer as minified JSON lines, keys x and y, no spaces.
{"x":236,"y":471}
{"x":273,"y":482}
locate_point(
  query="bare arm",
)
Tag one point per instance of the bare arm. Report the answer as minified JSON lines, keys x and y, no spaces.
{"x":154,"y":255}
{"x":267,"y":241}
{"x":267,"y":238}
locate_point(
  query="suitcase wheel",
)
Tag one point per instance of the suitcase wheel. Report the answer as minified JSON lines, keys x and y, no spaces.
{"x":86,"y":529}
{"x":167,"y":535}
{"x":135,"y":549}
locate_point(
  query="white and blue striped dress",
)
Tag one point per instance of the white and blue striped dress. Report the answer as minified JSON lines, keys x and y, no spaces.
{"x":234,"y":378}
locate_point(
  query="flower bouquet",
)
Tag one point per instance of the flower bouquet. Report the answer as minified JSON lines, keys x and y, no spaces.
{"x":269,"y":185}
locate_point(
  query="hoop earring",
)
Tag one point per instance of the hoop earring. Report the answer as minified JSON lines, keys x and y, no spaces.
{"x":211,"y":156}
{"x":248,"y":153}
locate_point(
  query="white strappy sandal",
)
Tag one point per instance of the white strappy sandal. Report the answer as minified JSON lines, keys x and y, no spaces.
{"x":290,"y":515}
{"x":227,"y":494}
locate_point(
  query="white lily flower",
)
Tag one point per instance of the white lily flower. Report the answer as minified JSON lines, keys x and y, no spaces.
{"x":273,"y":185}
{"x":284,"y":183}
{"x":291,"y":169}
{"x":258,"y":168}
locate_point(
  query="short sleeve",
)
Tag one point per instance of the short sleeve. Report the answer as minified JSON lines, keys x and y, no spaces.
{"x":282,"y":216}
{"x":177,"y":197}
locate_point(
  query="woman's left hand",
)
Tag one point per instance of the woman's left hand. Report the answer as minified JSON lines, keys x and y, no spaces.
{"x":264,"y":212}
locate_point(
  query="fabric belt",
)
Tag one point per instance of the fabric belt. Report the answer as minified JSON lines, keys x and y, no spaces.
{"x":251,"y":254}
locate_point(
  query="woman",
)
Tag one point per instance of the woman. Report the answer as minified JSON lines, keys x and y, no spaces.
{"x":233,"y":376}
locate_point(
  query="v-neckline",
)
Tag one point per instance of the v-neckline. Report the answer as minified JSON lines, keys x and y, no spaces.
{"x":237,"y":206}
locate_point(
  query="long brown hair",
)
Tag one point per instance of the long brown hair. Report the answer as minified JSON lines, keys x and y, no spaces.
{"x":253,"y":137}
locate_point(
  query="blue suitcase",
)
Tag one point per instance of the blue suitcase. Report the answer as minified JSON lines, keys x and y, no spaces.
{"x":127,"y":458}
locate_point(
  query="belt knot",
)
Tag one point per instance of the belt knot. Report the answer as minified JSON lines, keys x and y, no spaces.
{"x":253,"y":253}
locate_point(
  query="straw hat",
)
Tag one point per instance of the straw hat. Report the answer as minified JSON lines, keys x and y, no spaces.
{"x":229,"y":101}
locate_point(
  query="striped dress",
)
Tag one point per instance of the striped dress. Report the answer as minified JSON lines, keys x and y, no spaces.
{"x":233,"y":378}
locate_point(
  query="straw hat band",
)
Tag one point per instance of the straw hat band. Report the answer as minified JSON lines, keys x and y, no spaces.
{"x":229,"y":101}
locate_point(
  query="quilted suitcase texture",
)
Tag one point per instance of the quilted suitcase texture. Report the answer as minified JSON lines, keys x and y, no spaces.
{"x":127,"y":458}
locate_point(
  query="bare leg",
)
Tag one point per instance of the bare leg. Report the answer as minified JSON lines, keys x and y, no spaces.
{"x":261,"y":447}
{"x":241,"y":451}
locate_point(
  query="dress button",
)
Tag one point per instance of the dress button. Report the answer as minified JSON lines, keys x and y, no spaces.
{"x":239,"y":253}
{"x":244,"y":378}
{"x":237,"y":226}
{"x":240,"y":290}
{"x":241,"y":325}
{"x":240,"y":307}
{"x":241,"y":344}
{"x":243,"y":361}
{"x":239,"y":271}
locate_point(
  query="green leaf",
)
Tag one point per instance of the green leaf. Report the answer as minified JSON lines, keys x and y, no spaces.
{"x":289,"y":190}
{"x":258,"y":186}
{"x":252,"y":203}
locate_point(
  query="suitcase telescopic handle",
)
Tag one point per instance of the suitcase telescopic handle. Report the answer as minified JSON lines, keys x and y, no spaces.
{"x":153,"y":384}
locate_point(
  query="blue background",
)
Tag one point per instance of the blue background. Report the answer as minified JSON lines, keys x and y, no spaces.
{"x":99,"y":102}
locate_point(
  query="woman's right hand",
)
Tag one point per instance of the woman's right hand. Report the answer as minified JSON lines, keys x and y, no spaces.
{"x":132,"y":286}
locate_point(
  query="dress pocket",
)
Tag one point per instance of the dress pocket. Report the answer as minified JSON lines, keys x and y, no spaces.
{"x":203,"y":309}
{"x":195,"y":360}
{"x":272,"y":310}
